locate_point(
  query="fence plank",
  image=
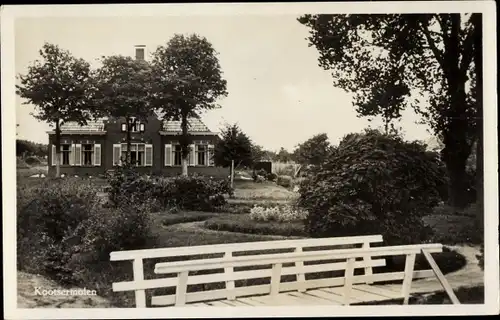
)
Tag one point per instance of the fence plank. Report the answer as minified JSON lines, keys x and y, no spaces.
{"x":228,"y":273}
{"x":140,"y":295}
{"x":181,"y":290}
{"x":409,"y":265}
{"x":441,"y":278}
{"x":348,"y":276}
{"x":276,"y":279}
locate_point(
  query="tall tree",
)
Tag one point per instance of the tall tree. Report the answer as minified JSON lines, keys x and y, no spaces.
{"x":187,"y":80}
{"x":283,"y":155}
{"x":392,"y":61}
{"x":60,"y":87}
{"x":314,"y":150}
{"x":123,"y":90}
{"x":234,"y":145}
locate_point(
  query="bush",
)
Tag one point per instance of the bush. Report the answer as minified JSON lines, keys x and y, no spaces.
{"x":62,"y":229}
{"x":278,"y":213}
{"x":373,"y":184}
{"x":32,"y":161}
{"x":190,"y":193}
{"x":271,"y":176}
{"x":244,"y":224}
{"x":285,"y":181}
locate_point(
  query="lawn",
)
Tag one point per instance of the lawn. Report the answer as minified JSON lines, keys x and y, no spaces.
{"x":267,"y":190}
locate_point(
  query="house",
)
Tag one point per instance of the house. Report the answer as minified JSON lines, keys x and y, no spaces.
{"x":99,"y":146}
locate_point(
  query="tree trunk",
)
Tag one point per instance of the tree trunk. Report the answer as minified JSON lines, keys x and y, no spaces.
{"x":184,"y":145}
{"x":457,"y":147}
{"x":129,"y":141}
{"x":58,"y":149}
{"x":478,"y":62}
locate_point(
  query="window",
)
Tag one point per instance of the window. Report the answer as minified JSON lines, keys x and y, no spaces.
{"x":177,"y":155}
{"x":135,"y":126}
{"x":201,"y":154}
{"x":66,"y":151}
{"x":139,"y":53}
{"x":88,"y":154}
{"x":137,"y":153}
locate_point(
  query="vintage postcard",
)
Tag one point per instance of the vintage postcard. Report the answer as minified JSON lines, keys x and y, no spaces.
{"x":251,"y":159}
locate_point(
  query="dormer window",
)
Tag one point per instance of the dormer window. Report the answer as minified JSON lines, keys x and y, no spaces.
{"x":140,"y":52}
{"x":135,"y":126}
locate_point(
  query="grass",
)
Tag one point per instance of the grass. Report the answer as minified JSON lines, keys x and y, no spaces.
{"x":452,"y":228}
{"x":184,"y":217}
{"x":242,"y":223}
{"x":267,"y":190}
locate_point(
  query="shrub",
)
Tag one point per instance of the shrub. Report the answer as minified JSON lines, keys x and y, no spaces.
{"x":32,"y":161}
{"x":373,"y":184}
{"x":285,"y":181}
{"x":277,"y":213}
{"x":62,"y":229}
{"x":191,"y":193}
{"x":244,"y":224}
{"x":271,"y":176}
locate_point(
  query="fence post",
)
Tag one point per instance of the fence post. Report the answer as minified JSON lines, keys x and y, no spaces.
{"x":408,"y":278}
{"x":140,"y":295}
{"x":232,"y":173}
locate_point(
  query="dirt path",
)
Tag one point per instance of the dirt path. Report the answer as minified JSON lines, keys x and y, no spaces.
{"x":35,"y":291}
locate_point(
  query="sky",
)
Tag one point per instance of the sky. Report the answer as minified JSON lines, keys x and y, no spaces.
{"x":278,"y":94}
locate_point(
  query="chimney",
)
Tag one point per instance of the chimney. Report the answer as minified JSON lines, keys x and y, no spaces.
{"x":140,"y":52}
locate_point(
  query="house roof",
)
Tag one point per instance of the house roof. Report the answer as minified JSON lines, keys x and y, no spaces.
{"x":91,"y":126}
{"x":194,"y":125}
{"x":98,"y":126}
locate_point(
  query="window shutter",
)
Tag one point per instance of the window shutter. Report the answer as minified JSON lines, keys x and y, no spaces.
{"x":117,"y":153}
{"x":78,"y":155}
{"x":192,"y":158}
{"x":211,"y":162}
{"x":97,"y":154}
{"x":53,"y":155}
{"x":148,"y":155}
{"x":168,"y":155}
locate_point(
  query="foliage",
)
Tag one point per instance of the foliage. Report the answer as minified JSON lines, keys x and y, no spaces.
{"x":123,"y":87}
{"x":285,"y":169}
{"x":285,"y":181}
{"x":373,"y":183}
{"x":61,"y":89}
{"x":191,"y":193}
{"x":271,"y":176}
{"x":187,"y":79}
{"x":277,"y":213}
{"x":25,"y":147}
{"x":61,"y":229}
{"x":390,"y":61}
{"x":313,"y":151}
{"x":283,"y":155}
{"x":244,"y":224}
{"x":233,"y":145}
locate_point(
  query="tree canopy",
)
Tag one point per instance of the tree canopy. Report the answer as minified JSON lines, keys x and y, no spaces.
{"x":234,"y":145}
{"x":123,"y":90}
{"x":394,"y":61}
{"x":314,"y":150}
{"x":60,"y":87}
{"x":187,"y":79}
